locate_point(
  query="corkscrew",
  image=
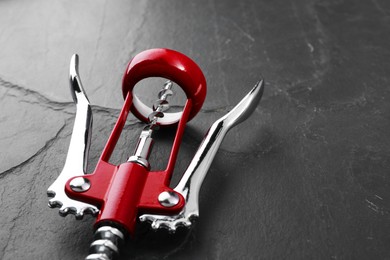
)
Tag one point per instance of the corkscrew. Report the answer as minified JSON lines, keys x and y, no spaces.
{"x":119,"y":194}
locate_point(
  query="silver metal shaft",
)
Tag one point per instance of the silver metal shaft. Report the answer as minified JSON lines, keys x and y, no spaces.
{"x":145,"y":141}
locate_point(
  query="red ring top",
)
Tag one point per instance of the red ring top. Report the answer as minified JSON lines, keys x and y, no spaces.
{"x":171,"y":65}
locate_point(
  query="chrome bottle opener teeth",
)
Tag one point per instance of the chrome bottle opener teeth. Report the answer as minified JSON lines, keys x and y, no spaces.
{"x":76,"y":159}
{"x":191,"y":182}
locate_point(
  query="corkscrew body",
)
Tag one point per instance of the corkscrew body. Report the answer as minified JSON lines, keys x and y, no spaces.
{"x":118,"y":194}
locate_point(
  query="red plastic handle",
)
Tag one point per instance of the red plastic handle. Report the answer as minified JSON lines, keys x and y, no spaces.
{"x":171,"y":65}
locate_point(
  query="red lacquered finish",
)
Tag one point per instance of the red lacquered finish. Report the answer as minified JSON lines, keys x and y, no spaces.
{"x":171,"y":65}
{"x":124,"y":191}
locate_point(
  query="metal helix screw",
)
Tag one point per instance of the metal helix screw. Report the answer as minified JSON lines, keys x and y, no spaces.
{"x":161,"y":104}
{"x":105,"y":246}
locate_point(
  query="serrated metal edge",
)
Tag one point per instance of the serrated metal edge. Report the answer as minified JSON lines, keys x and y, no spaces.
{"x":73,"y":207}
{"x":170,"y":223}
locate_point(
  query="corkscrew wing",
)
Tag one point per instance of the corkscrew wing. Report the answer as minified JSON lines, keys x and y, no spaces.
{"x":193,"y":177}
{"x":77,"y":157}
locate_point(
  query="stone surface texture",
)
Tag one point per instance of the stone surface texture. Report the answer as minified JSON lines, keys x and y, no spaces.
{"x":306,"y":177}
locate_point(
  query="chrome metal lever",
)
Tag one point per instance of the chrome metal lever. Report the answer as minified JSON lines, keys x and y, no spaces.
{"x":191,"y":182}
{"x":77,"y":157}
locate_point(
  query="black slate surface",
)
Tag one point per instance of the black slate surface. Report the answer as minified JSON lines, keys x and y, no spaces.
{"x":306,"y":177}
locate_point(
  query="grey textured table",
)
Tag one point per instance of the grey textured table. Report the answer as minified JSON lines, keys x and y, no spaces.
{"x":306,"y":177}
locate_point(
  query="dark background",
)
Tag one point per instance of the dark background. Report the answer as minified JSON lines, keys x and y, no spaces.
{"x":306,"y":177}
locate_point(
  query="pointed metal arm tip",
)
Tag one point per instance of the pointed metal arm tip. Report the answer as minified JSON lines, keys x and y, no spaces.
{"x":76,"y":87}
{"x":245,"y":107}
